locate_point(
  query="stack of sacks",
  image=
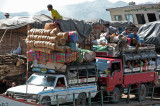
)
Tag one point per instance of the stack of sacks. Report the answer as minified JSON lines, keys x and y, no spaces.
{"x":47,"y":40}
{"x":52,"y":45}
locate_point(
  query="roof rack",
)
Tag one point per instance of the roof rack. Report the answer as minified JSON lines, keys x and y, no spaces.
{"x":130,"y":50}
{"x":146,"y":47}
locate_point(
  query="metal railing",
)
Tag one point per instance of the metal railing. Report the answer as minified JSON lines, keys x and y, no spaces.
{"x":102,"y":99}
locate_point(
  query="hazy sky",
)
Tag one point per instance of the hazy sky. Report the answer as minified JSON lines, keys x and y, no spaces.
{"x":37,"y":5}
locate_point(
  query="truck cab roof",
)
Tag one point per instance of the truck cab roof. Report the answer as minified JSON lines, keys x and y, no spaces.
{"x":56,"y":75}
{"x":111,"y":59}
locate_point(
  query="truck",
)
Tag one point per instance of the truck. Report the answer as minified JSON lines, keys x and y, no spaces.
{"x":50,"y":88}
{"x":127,"y":69}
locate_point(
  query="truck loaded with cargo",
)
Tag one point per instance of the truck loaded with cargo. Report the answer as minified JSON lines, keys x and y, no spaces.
{"x":128,"y":69}
{"x":43,"y":88}
{"x":64,"y":68}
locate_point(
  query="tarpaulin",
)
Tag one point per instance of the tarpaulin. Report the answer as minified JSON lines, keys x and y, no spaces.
{"x":150,"y":32}
{"x":120,"y":24}
{"x":83,"y":28}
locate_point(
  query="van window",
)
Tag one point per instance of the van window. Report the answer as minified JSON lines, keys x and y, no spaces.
{"x":140,"y":18}
{"x":83,"y":72}
{"x":129,"y":17}
{"x":60,"y":82}
{"x":151,"y":17}
{"x":118,"y":18}
{"x":115,"y":67}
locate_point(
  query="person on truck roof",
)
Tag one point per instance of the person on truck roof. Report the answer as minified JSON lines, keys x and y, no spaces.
{"x":57,"y":18}
{"x":134,"y":35}
{"x":125,"y":32}
{"x":110,"y":29}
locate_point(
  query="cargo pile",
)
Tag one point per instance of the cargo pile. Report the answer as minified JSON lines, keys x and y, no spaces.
{"x":11,"y":67}
{"x":52,"y":46}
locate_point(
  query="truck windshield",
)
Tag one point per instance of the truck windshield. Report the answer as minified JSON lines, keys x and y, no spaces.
{"x":41,"y":80}
{"x":102,"y":65}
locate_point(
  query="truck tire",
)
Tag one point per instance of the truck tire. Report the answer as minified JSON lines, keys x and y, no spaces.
{"x":46,"y":101}
{"x":81,"y":100}
{"x":116,"y":95}
{"x":141,"y":93}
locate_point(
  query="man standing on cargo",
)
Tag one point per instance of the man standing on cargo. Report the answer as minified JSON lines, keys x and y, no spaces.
{"x":57,"y":18}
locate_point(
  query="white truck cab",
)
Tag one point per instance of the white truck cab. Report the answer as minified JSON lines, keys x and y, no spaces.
{"x":44,"y":88}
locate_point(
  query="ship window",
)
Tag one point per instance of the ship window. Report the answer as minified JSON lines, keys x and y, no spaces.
{"x":118,"y":18}
{"x":129,"y":17}
{"x":140,"y":18}
{"x":151,"y":17}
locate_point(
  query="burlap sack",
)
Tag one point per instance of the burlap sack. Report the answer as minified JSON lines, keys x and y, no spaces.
{"x":47,"y":32}
{"x":62,"y":42}
{"x":89,"y":56}
{"x":53,"y":39}
{"x":60,"y":48}
{"x":49,"y":26}
{"x":54,"y":32}
{"x":63,"y":35}
{"x":46,"y":50}
{"x":68,"y":49}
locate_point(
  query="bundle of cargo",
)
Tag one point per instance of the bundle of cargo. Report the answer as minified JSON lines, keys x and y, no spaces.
{"x":52,"y":45}
{"x":12,"y":67}
{"x":52,"y":49}
{"x":48,"y":40}
{"x":86,"y":55}
{"x":105,"y":49}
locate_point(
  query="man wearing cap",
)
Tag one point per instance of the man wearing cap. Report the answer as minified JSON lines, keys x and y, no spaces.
{"x":55,"y":15}
{"x":125,"y":32}
{"x":110,"y":29}
{"x":134,"y":35}
{"x":7,"y":15}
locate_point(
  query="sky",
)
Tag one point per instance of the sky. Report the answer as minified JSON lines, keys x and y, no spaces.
{"x":37,"y":5}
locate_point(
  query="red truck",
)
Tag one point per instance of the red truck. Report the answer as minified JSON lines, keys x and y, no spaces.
{"x":135,"y":70}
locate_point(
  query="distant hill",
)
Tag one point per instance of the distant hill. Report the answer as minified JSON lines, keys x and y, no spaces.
{"x":82,"y":11}
{"x":91,"y":10}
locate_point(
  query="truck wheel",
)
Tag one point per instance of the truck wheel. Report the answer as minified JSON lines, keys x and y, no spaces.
{"x":81,"y":100}
{"x":141,"y":94}
{"x":116,"y":95}
{"x":46,"y":101}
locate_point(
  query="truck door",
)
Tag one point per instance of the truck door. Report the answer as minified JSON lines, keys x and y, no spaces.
{"x":116,"y":75}
{"x":61,"y":90}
